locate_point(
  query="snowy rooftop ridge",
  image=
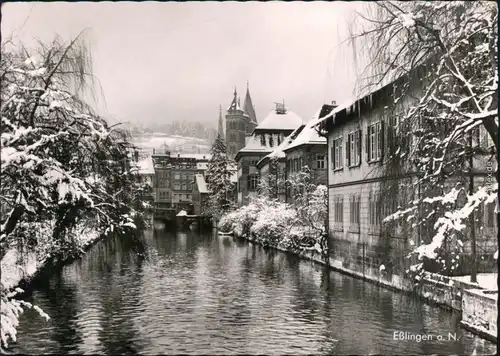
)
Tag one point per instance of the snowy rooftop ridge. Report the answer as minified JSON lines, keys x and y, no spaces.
{"x":309,"y":135}
{"x":365,"y":94}
{"x":146,"y":166}
{"x":277,"y":121}
{"x":201,"y":184}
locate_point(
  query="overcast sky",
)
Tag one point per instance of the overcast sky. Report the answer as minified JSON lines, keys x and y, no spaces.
{"x":157,"y":62}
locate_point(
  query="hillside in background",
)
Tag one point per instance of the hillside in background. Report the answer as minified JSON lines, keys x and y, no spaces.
{"x":184,"y":129}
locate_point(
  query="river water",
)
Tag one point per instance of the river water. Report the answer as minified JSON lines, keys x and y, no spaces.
{"x":205,"y":294}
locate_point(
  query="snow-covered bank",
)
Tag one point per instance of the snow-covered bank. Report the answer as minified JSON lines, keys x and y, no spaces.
{"x":19,"y":265}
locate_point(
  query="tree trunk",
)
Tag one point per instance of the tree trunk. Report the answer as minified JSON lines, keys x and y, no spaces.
{"x":472,"y":222}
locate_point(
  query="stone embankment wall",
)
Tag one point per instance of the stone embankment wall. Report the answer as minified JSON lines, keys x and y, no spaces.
{"x":478,"y":307}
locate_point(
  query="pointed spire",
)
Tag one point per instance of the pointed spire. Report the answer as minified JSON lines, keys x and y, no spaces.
{"x":248,"y":106}
{"x":234,"y":104}
{"x":220,"y":126}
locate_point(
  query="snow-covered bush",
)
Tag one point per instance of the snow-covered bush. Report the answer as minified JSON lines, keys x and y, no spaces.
{"x":273,"y":223}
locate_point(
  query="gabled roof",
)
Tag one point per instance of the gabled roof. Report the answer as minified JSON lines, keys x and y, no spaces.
{"x":288,"y":121}
{"x":279,"y":151}
{"x":310,"y":135}
{"x":146,"y":166}
{"x":201,"y":184}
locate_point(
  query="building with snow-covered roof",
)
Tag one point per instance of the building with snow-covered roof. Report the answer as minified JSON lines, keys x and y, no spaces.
{"x":371,"y":176}
{"x":174,"y":178}
{"x":265,"y":138}
{"x":272,"y":167}
{"x":310,"y":149}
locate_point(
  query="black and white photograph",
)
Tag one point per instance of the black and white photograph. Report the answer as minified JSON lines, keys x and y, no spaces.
{"x":249,"y":178}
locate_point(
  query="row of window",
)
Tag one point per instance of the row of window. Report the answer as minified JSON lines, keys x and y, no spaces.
{"x":178,"y":176}
{"x":184,"y":165}
{"x":272,"y":140}
{"x":374,"y":143}
{"x":166,"y":195}
{"x":375,"y":214}
{"x":165,"y":183}
{"x":374,"y":210}
{"x":296,"y":164}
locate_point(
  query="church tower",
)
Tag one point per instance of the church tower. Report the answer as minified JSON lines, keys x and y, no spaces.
{"x":240,"y":122}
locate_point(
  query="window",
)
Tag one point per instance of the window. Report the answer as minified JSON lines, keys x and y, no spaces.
{"x":337,"y":153}
{"x":188,"y":196}
{"x":252,"y":181}
{"x":490,"y":217}
{"x":374,"y":209}
{"x":338,"y":210}
{"x":271,"y":141}
{"x":279,"y":140}
{"x":320,"y":161}
{"x":232,"y":137}
{"x":177,"y":186}
{"x":375,"y":141}
{"x":262,"y":140}
{"x":354,"y":205}
{"x":353,"y":149}
{"x":183,"y":186}
{"x":177,"y":176}
{"x":190,"y":186}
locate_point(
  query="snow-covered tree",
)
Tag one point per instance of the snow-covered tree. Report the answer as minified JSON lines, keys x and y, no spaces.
{"x":219,"y":179}
{"x":273,"y":183}
{"x":310,"y":201}
{"x":61,"y":162}
{"x":445,"y":57}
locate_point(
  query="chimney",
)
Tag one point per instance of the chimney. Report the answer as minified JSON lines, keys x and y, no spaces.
{"x":153,"y":151}
{"x":334,"y":103}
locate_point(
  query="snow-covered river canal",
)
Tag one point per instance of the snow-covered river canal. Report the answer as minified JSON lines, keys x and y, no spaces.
{"x":205,"y":294}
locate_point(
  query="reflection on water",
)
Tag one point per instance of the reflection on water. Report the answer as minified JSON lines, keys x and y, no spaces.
{"x":190,"y":293}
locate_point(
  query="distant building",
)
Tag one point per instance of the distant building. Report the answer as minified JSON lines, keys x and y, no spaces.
{"x":268,"y":135}
{"x":240,"y":122}
{"x":174,"y":179}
